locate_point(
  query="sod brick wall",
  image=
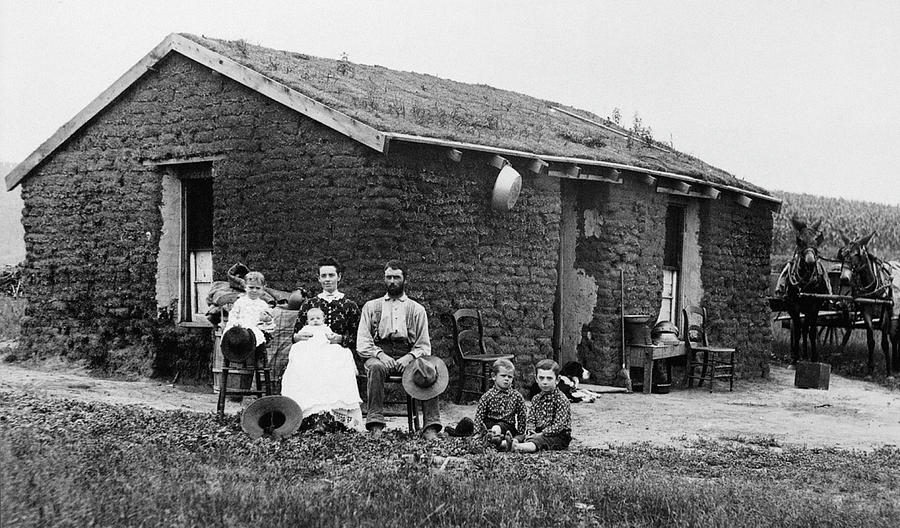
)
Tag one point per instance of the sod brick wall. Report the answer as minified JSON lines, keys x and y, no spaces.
{"x":734,"y":244}
{"x":287,"y":192}
{"x":623,"y":227}
{"x":619,"y":227}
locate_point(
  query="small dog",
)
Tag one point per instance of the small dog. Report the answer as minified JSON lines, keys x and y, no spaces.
{"x":570,"y":377}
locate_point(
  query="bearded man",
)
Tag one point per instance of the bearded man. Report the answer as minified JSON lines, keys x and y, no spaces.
{"x":393,"y":337}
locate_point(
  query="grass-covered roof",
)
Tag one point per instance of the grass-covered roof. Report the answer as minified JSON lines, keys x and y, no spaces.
{"x":424,"y":105}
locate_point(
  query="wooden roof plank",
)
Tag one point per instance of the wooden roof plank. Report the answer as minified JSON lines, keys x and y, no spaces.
{"x":283,"y":94}
{"x":88,"y":112}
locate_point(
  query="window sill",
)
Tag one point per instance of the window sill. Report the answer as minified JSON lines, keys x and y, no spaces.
{"x":195,"y":324}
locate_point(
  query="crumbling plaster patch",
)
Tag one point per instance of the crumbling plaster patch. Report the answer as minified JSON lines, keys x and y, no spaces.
{"x":585,"y":300}
{"x":691,"y":260}
{"x":593,"y":223}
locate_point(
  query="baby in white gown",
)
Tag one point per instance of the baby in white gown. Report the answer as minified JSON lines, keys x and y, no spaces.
{"x":321,"y":376}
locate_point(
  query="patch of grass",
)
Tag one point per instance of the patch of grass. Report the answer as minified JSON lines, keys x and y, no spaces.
{"x":68,"y":463}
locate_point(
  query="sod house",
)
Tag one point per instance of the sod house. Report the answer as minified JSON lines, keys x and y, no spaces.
{"x":210,"y":152}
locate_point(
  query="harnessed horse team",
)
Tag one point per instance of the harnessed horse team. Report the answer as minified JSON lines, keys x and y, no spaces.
{"x":874,"y":285}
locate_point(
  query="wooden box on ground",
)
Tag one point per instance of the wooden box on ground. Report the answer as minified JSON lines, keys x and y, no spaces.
{"x":811,"y":375}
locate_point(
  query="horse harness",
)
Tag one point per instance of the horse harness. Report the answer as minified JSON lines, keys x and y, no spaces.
{"x":879,"y":287}
{"x":806,"y":283}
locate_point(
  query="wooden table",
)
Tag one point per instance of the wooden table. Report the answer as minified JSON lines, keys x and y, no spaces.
{"x":644,"y":355}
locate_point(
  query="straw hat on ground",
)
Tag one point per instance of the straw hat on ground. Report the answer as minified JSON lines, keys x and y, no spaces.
{"x":278,"y":416}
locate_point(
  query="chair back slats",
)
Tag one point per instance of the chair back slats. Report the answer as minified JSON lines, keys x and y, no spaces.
{"x":694,"y":326}
{"x":468,"y":333}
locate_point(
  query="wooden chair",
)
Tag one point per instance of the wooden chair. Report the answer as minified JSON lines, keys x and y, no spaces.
{"x":256,"y":362}
{"x":468,"y":349}
{"x":412,"y":411}
{"x":714,"y":362}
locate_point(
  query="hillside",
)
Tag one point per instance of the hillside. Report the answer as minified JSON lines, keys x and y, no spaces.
{"x":853,"y":217}
{"x":12,"y":234}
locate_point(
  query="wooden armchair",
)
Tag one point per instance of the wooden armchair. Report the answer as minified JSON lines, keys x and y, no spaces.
{"x":714,"y":362}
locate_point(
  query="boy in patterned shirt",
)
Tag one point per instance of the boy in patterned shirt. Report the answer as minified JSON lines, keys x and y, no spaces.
{"x":549,"y":424}
{"x":502,"y":408}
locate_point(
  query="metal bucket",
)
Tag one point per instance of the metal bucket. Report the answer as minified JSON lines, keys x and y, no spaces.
{"x":637,"y":331}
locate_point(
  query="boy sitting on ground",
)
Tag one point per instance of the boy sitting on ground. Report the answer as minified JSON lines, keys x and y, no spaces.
{"x":549,"y":424}
{"x":501,"y":409}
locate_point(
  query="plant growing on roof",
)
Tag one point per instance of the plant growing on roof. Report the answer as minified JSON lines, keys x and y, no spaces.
{"x":344,"y":66}
{"x":616,"y":116}
{"x":639,"y":131}
{"x":242,"y":46}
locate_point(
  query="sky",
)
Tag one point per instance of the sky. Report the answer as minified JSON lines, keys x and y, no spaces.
{"x":801,"y":96}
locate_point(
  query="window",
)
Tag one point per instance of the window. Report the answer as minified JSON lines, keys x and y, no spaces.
{"x":198,"y":242}
{"x":674,"y":245}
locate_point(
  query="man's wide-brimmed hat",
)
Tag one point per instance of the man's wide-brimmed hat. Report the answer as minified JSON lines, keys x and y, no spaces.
{"x":238,"y":344}
{"x":426,"y":377}
{"x":277,"y":416}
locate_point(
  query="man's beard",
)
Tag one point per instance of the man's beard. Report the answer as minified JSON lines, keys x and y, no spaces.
{"x":395,"y":290}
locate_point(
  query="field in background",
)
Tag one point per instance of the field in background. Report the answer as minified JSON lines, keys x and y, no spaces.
{"x":855,"y":218}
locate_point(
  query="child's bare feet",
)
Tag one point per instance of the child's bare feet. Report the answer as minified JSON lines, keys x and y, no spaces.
{"x":509,"y":441}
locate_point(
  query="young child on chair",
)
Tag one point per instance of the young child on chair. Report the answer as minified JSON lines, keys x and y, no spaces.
{"x":549,"y":423}
{"x":502,"y":408}
{"x":250,"y":311}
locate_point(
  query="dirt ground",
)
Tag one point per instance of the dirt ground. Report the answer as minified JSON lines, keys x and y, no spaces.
{"x":852,"y":414}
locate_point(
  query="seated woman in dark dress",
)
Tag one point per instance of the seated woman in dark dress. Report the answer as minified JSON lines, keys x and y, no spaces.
{"x":323,"y":380}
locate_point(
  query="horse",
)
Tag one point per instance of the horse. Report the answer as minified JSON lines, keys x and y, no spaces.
{"x":871,"y":278}
{"x":805,"y":273}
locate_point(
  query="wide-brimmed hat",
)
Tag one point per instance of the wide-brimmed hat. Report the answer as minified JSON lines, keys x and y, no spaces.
{"x":426,"y":377}
{"x":278,"y":416}
{"x":238,"y":343}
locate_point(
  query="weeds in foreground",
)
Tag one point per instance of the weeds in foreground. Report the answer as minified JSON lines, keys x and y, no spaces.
{"x":69,"y":463}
